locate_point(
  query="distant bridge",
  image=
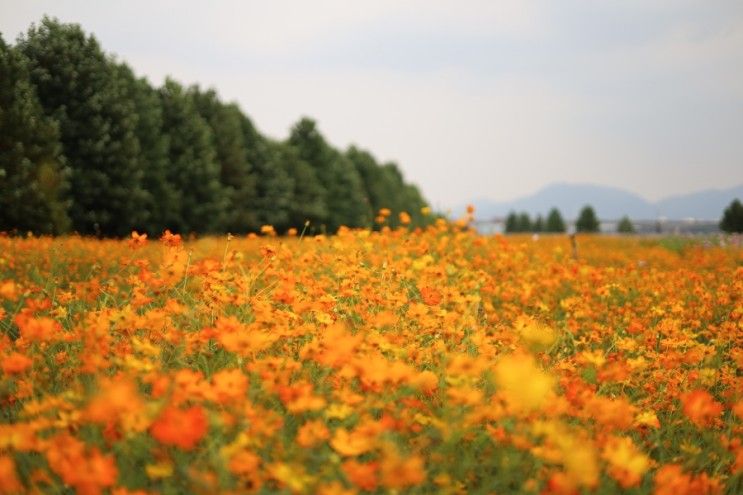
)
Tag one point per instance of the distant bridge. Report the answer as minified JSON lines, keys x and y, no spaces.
{"x":657,"y":226}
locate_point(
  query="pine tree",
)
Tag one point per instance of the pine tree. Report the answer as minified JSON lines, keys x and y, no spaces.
{"x":193,"y":171}
{"x":344,"y":194}
{"x":274,"y":198}
{"x":308,"y":195}
{"x":32,"y":175}
{"x":538,"y":225}
{"x":79,"y":87}
{"x":160,"y":203}
{"x":732,"y":218}
{"x":236,"y":172}
{"x":523,"y":222}
{"x":414,"y":204}
{"x":401,"y":197}
{"x":374,"y":179}
{"x":512,"y":223}
{"x":625,"y":226}
{"x":587,"y":221}
{"x":393,"y":196}
{"x":555,"y":223}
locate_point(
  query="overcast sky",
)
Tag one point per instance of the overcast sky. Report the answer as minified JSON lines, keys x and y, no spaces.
{"x":474,"y":99}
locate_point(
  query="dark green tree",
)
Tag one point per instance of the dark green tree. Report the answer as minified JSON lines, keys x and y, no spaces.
{"x":161,"y":201}
{"x":379,"y":186}
{"x":344,"y":193}
{"x":308,"y":194}
{"x":80,"y":88}
{"x":538,"y":225}
{"x":394,"y":197}
{"x":512,"y":223}
{"x":274,"y":198}
{"x":732,"y":218}
{"x":274,"y":187}
{"x":347,"y":204}
{"x":236,"y":171}
{"x":555,"y":223}
{"x":399,"y":196}
{"x":523,"y":222}
{"x":193,"y":171}
{"x":625,"y":226}
{"x":414,"y":204}
{"x":32,"y":175}
{"x":587,"y":221}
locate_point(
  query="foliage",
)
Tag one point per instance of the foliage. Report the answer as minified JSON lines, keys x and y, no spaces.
{"x":512,"y":223}
{"x":426,"y":361}
{"x":538,"y":225}
{"x":521,"y":222}
{"x":625,"y":226}
{"x":145,"y":158}
{"x":160,"y":205}
{"x":193,"y":171}
{"x":384,"y":187}
{"x":555,"y":223}
{"x":80,"y":88}
{"x":236,"y":172}
{"x":341,"y":181}
{"x":33,"y":178}
{"x":587,"y":221}
{"x":732,"y":217}
{"x":274,"y":201}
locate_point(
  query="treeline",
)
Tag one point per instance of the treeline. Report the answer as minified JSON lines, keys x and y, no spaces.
{"x":522,"y":222}
{"x":554,"y":223}
{"x":88,"y":146}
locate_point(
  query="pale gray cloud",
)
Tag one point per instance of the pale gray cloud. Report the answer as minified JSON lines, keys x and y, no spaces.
{"x":474,"y":98}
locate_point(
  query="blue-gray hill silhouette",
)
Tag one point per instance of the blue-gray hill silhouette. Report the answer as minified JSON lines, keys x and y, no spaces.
{"x":611,"y":203}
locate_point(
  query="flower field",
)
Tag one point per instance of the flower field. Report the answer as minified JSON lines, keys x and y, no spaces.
{"x":430,"y":361}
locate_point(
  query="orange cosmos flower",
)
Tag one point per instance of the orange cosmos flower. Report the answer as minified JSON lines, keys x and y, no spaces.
{"x":351,"y":444}
{"x":738,"y":409}
{"x":137,"y":240}
{"x":298,"y":397}
{"x":627,"y":464}
{"x":8,"y":290}
{"x":16,"y":363}
{"x":170,"y":239}
{"x":399,"y":473}
{"x":37,"y":329}
{"x":8,"y":480}
{"x":404,"y":217}
{"x":430,"y":296}
{"x":311,"y":433}
{"x":244,"y":463}
{"x":229,"y":385}
{"x":523,"y":383}
{"x":118,"y":401}
{"x":89,"y":473}
{"x":362,"y":475}
{"x":700,"y":407}
{"x":426,"y":381}
{"x":181,"y":428}
{"x":671,"y":480}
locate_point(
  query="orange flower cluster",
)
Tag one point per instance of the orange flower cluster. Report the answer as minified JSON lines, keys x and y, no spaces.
{"x":432,"y":360}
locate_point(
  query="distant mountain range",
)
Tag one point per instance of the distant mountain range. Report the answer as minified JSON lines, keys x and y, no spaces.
{"x":610,"y":203}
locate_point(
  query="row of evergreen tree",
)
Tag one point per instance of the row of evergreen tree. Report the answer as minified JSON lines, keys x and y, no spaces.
{"x":87,"y":146}
{"x":586,"y":222}
{"x":522,"y":222}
